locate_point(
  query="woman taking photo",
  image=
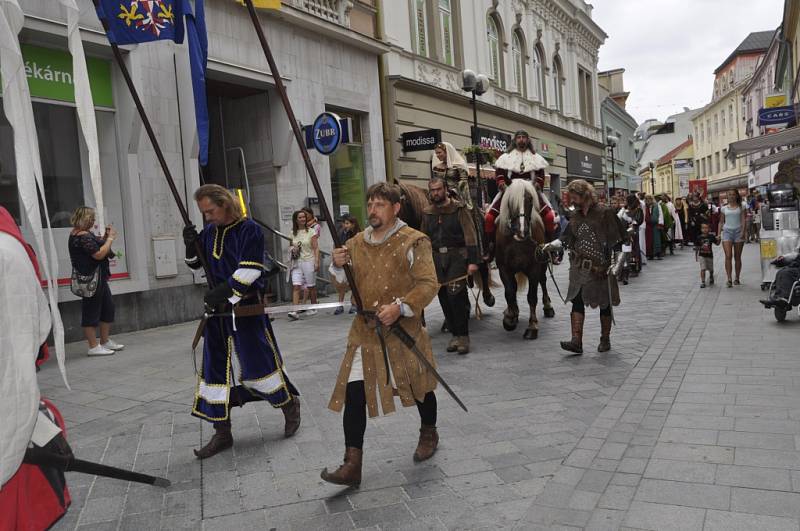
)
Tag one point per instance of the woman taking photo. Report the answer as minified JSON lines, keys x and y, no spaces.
{"x":732,"y":220}
{"x":304,"y":255}
{"x":89,"y":254}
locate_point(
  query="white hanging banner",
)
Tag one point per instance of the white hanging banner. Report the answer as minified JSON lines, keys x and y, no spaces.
{"x":85,"y":106}
{"x":19,"y":113}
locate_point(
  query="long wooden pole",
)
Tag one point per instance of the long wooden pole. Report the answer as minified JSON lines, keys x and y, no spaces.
{"x":298,"y":135}
{"x":156,"y":147}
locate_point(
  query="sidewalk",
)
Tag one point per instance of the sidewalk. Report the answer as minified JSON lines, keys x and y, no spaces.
{"x":689,"y":422}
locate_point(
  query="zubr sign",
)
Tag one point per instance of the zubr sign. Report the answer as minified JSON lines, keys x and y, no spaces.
{"x":328,"y":133}
{"x":421,"y":140}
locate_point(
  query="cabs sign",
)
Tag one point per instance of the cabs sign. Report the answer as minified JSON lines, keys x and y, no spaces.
{"x":776,"y":115}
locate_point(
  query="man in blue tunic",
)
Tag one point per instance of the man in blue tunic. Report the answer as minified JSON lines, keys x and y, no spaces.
{"x":241,"y":360}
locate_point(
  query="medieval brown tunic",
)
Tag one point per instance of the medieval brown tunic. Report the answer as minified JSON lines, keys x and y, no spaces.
{"x":591,"y":240}
{"x":384,"y":274}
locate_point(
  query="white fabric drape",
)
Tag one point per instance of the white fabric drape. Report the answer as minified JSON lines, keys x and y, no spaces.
{"x":454,"y":158}
{"x":85,"y":105}
{"x":30,"y":184}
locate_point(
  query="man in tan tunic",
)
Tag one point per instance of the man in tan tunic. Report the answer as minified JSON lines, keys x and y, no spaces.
{"x":395,"y":275}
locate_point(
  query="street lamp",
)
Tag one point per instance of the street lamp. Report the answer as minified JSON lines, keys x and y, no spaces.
{"x":611,"y":143}
{"x":653,"y":176}
{"x":477,"y":84}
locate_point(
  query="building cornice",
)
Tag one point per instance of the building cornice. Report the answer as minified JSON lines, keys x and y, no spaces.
{"x":461,"y":98}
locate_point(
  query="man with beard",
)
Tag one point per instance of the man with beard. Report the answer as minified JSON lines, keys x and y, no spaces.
{"x":521,"y":162}
{"x":591,"y":235}
{"x":393,"y":270}
{"x":241,"y":360}
{"x":455,"y":254}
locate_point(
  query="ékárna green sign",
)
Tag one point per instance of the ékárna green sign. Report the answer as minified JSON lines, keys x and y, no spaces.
{"x":49,"y":74}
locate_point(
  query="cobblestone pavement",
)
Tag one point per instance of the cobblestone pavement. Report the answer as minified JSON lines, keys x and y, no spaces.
{"x":690,"y":422}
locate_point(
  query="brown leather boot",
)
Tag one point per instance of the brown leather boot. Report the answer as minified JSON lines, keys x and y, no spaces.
{"x":452,"y":346}
{"x":291,"y":412}
{"x":428,"y":442}
{"x":349,"y":473}
{"x":605,"y":334}
{"x":462,"y":346}
{"x":576,"y":343}
{"x":222,"y":440}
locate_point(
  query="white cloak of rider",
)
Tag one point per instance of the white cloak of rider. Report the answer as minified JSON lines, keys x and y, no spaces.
{"x":24,"y":325}
{"x":521,"y":161}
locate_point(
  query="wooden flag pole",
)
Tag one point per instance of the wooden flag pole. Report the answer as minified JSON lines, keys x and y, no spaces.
{"x":156,"y":147}
{"x":298,"y":135}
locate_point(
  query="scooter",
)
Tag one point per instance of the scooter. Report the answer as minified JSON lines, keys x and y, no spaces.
{"x":780,"y":305}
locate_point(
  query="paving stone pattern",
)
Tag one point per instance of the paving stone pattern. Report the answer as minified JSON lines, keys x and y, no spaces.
{"x":690,"y":422}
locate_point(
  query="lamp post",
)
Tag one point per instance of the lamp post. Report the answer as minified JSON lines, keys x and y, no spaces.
{"x":653,"y":176}
{"x":476,"y":84}
{"x":611,"y":143}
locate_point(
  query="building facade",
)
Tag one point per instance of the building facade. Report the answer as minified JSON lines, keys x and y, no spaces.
{"x":616,"y":122}
{"x":327,"y":53}
{"x":658,"y":139}
{"x":541,"y":58}
{"x":721,"y":122}
{"x":674,"y":170}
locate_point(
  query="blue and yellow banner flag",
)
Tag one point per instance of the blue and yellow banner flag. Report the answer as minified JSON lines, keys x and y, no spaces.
{"x":136,"y":21}
{"x":263,"y":4}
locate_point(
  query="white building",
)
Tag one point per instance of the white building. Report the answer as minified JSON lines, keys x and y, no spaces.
{"x":327,"y":54}
{"x":541,"y":57}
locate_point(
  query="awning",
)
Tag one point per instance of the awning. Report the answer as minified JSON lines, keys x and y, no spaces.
{"x":737,"y":181}
{"x":775,"y":157}
{"x":787,"y":137}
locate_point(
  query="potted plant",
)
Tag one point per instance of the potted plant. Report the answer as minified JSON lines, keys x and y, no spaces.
{"x":480,"y":154}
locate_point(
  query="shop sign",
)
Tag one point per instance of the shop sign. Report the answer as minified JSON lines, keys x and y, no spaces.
{"x":423,"y":140}
{"x":683,"y":166}
{"x":328,"y":133}
{"x":776,"y":100}
{"x":546,"y":148}
{"x":683,"y":185}
{"x":49,"y":74}
{"x":583,"y":164}
{"x":775,"y":115}
{"x":699,"y":186}
{"x":496,"y":140}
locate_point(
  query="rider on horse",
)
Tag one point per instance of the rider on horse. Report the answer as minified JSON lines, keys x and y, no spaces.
{"x":521,"y":162}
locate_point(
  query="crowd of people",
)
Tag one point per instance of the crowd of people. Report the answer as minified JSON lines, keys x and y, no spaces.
{"x":664,"y":225}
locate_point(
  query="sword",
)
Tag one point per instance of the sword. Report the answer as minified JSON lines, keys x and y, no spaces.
{"x":40,"y":456}
{"x":553,"y":278}
{"x":405,"y":338}
{"x":610,"y":301}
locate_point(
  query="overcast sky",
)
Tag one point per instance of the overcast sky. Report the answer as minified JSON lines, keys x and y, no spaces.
{"x":670,"y":48}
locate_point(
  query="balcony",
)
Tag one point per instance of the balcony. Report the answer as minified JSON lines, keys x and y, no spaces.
{"x":336,"y":11}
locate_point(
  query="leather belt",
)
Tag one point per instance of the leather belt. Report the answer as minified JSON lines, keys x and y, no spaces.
{"x":587,"y":265}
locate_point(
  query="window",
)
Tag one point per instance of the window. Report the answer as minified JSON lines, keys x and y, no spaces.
{"x":519,"y":63}
{"x":585,"y":94}
{"x":421,"y":28}
{"x":708,"y":130}
{"x":348,"y":175}
{"x":730,"y":115}
{"x":697,"y":165}
{"x":716,"y":124}
{"x":722,"y":115}
{"x":702,"y":168}
{"x":446,"y":32}
{"x":558,"y":94}
{"x":725,"y":160}
{"x":702,"y":132}
{"x":538,"y":73}
{"x":716,"y":162}
{"x":493,"y":37}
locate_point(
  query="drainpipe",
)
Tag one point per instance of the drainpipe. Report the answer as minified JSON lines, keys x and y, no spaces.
{"x":384,"y":89}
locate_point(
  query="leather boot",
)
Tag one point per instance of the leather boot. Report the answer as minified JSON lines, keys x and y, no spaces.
{"x":605,"y":334}
{"x":349,"y":473}
{"x":576,"y":343}
{"x":291,"y":413}
{"x":222,"y":440}
{"x":452,"y":346}
{"x":428,"y":442}
{"x":462,"y":344}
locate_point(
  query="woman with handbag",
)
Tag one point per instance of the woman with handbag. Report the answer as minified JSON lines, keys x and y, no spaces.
{"x":89,"y":255}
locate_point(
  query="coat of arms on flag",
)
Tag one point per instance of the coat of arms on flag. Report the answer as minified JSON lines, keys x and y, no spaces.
{"x":134,"y":21}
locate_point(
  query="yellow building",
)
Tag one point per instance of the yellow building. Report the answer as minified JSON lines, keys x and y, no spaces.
{"x":675,"y":169}
{"x":720,"y":122}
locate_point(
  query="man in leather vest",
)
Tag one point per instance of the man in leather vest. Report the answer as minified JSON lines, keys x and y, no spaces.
{"x":448,"y":224}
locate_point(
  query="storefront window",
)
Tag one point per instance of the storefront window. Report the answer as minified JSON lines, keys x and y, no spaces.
{"x":347,"y":175}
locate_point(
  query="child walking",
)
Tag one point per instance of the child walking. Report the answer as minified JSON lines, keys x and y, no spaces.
{"x":705,"y":253}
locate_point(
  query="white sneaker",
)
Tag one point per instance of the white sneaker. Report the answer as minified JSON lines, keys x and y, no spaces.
{"x":311,"y":312}
{"x":100,"y":350}
{"x":293,"y":316}
{"x":112,"y":345}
